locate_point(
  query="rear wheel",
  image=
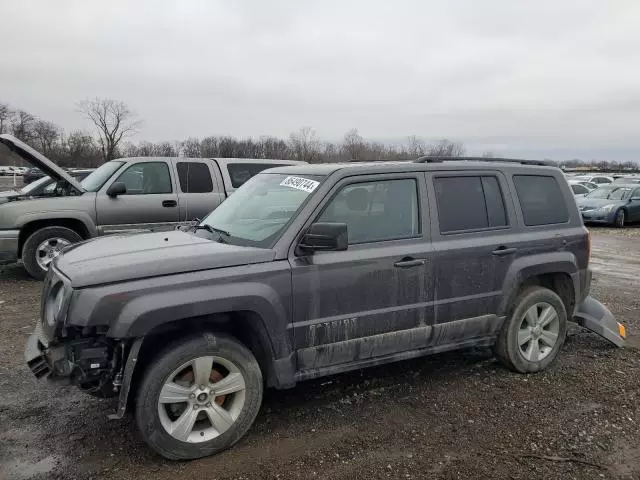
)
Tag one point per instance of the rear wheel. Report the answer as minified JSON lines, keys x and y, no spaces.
{"x":531,"y":338}
{"x":198,"y":397}
{"x":43,"y":246}
{"x":620,"y":218}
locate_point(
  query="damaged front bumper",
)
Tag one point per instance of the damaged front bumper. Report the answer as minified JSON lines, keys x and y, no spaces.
{"x":82,"y":362}
{"x":594,"y":316}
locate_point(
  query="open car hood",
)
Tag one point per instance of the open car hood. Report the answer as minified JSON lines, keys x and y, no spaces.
{"x":36,"y":159}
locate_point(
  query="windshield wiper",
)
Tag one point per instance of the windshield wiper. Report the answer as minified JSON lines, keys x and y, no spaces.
{"x":212,"y":229}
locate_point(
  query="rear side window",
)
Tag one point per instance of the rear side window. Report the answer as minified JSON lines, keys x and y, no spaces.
{"x":469,"y":203}
{"x":541,"y":200}
{"x":194,"y":177}
{"x":241,"y":172}
{"x":579,"y":189}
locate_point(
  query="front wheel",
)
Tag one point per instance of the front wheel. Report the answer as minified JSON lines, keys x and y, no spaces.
{"x":43,"y":246}
{"x":198,"y":397}
{"x":531,"y":338}
{"x":620,"y":218}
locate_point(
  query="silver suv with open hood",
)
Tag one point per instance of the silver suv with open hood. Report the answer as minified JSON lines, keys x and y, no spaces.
{"x":126,"y":195}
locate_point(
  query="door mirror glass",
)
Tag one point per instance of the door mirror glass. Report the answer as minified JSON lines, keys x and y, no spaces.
{"x":117,"y":188}
{"x":324,"y":237}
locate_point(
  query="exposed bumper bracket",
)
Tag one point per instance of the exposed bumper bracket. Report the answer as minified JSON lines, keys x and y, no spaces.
{"x":132,"y":359}
{"x":597,"y":318}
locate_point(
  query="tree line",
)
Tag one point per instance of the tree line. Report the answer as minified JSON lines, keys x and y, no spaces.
{"x":114,"y":123}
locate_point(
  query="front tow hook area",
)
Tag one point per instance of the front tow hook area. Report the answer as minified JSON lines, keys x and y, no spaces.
{"x":597,"y":318}
{"x":35,"y":359}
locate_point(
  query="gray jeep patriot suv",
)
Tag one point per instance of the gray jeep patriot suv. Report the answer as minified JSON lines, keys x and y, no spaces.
{"x":308,"y":271}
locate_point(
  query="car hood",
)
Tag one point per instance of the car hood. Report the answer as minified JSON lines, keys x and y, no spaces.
{"x":131,"y":257}
{"x":587,"y":203}
{"x":38,"y":160}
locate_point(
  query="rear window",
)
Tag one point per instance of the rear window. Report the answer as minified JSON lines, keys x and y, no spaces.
{"x":194,"y":177}
{"x":541,"y":200}
{"x":469,"y":203}
{"x":241,"y":172}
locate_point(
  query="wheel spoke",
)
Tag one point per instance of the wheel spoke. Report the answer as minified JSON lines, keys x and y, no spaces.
{"x":202,"y":370}
{"x":219,"y":417}
{"x":532,"y":316}
{"x":234,"y":382}
{"x":174,"y":393}
{"x":45,"y":261}
{"x":183,"y":426}
{"x":547,"y":316}
{"x":524,"y":335}
{"x":533,"y":351}
{"x":548,"y":338}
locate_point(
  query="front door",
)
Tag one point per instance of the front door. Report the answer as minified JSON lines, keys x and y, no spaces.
{"x":149,"y":204}
{"x":371,"y":300}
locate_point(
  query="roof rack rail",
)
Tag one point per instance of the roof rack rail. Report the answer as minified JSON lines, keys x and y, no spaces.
{"x":429,"y":159}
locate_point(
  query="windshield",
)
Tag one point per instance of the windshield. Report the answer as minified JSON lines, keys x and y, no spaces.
{"x":98,"y":177}
{"x":27,"y":189}
{"x":610,"y":193}
{"x":258,"y":211}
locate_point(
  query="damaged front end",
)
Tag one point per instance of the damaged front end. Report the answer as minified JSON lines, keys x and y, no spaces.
{"x":72,"y":355}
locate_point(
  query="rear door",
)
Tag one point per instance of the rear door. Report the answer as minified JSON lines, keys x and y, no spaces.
{"x":473,"y":222}
{"x":374,"y":299}
{"x":200,"y":191}
{"x":150,"y":203}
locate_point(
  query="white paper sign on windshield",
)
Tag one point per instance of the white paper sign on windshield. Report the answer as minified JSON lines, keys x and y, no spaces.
{"x":300,"y":183}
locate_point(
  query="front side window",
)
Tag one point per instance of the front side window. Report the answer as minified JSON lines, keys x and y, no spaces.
{"x":257,"y":213}
{"x":146,"y":178}
{"x":376,"y":211}
{"x":469,"y":203}
{"x":194,"y":177}
{"x":541,"y":200}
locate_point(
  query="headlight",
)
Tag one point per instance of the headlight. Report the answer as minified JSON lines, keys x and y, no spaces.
{"x":54,"y":304}
{"x":607,"y":208}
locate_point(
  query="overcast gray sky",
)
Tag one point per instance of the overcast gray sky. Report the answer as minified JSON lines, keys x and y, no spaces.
{"x":551,"y":78}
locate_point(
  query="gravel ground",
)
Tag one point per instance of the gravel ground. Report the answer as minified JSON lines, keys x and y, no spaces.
{"x":457,"y":415}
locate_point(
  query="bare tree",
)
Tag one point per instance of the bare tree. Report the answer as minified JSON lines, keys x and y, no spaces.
{"x":415,"y":146}
{"x":353,"y":145}
{"x":45,"y":135}
{"x":5,"y":115}
{"x":190,"y":148}
{"x":304,"y":145}
{"x":114,"y":121}
{"x":446,"y":148}
{"x":488,"y":155}
{"x":21,"y":124}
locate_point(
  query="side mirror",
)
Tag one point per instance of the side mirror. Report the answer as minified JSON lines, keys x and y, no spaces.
{"x":330,"y":237}
{"x":116,"y":188}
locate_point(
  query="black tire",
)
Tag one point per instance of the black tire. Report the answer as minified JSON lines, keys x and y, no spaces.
{"x":507,"y":349}
{"x":35,"y":239}
{"x":177,"y":354}
{"x":620,"y":218}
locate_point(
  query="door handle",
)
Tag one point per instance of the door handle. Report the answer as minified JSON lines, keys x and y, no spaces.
{"x":409,"y":262}
{"x":502,"y":251}
{"x":169,"y":203}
